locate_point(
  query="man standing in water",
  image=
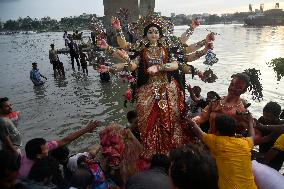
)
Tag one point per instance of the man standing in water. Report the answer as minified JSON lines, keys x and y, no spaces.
{"x":53,"y":57}
{"x":35,"y":75}
{"x":74,"y":53}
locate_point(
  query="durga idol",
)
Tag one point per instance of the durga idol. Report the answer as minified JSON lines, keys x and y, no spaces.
{"x":160,"y":98}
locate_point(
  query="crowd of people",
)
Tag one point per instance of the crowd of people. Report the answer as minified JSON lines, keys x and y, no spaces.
{"x":170,"y":142}
{"x":220,"y":159}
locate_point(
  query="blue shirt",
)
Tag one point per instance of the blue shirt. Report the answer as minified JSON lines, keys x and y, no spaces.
{"x":35,"y":76}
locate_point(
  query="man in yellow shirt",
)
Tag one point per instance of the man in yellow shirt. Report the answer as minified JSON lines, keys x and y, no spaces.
{"x":232,"y":154}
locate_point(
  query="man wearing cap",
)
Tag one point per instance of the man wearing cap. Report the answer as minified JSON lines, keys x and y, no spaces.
{"x":53,"y":57}
{"x":35,"y":75}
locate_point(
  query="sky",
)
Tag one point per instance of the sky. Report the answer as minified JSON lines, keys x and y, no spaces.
{"x":13,"y":9}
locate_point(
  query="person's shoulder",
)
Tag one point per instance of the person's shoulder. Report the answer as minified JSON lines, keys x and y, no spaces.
{"x":5,"y":121}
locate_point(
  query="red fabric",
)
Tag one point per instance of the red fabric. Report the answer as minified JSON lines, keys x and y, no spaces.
{"x":153,"y":117}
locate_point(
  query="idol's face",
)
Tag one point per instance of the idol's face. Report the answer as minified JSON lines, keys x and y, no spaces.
{"x":153,"y":34}
{"x":237,"y":87}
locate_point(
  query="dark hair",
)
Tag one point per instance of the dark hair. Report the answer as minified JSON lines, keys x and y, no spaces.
{"x":226,"y":125}
{"x":3,"y":100}
{"x":9,"y":161}
{"x":61,"y":154}
{"x":282,"y":115}
{"x":196,"y":88}
{"x":153,"y":25}
{"x":81,"y":162}
{"x":33,"y":147}
{"x":274,"y":108}
{"x":193,"y":168}
{"x":252,"y":80}
{"x":81,"y":179}
{"x":161,"y":161}
{"x":244,"y":77}
{"x":42,"y":169}
{"x":214,"y":94}
{"x":131,"y":115}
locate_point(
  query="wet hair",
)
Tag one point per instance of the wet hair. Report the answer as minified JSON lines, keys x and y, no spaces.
{"x":153,"y":25}
{"x":226,"y":125}
{"x":9,"y":161}
{"x":244,"y":77}
{"x":2,"y":101}
{"x":61,"y":154}
{"x":131,"y":115}
{"x":192,"y":167}
{"x":42,"y":169}
{"x":252,"y":80}
{"x":81,"y":179}
{"x":33,"y":147}
{"x":161,"y":161}
{"x":274,"y":108}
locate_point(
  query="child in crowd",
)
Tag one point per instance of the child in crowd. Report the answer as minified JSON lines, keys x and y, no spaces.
{"x":83,"y":60}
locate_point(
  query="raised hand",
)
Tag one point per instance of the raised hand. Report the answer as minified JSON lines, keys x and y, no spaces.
{"x":210,"y":37}
{"x":153,"y":70}
{"x":188,"y":87}
{"x":92,"y":125}
{"x":195,"y":23}
{"x":102,"y":44}
{"x":209,"y":46}
{"x":115,"y":23}
{"x":103,"y":69}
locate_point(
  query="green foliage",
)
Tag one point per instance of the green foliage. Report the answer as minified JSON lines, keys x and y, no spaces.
{"x":47,"y":24}
{"x":278,"y":66}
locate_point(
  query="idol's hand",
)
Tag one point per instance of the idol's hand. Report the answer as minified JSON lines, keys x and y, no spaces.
{"x":115,"y":23}
{"x":209,"y":46}
{"x":195,"y":23}
{"x":102,"y":44}
{"x":103,"y":69}
{"x":121,"y":54}
{"x":153,"y":70}
{"x":210,"y":37}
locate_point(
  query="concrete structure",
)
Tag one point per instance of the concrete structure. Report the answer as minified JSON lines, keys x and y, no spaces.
{"x":136,"y":8}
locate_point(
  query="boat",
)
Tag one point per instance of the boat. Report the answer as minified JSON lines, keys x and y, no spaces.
{"x":271,"y":17}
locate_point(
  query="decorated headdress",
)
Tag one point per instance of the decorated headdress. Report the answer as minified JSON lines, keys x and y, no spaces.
{"x":137,"y":28}
{"x":97,"y":27}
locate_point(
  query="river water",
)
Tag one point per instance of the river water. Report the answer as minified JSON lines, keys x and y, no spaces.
{"x":64,"y":105}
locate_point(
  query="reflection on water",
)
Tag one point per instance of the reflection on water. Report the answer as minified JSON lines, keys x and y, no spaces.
{"x":62,"y":105}
{"x":39,"y":91}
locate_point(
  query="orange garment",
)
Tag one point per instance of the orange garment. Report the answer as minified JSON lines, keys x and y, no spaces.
{"x":279,"y":144}
{"x":215,"y":108}
{"x":233,"y":159}
{"x":14,"y":117}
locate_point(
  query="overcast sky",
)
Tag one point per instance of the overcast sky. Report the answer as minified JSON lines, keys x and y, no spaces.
{"x":12,"y":9}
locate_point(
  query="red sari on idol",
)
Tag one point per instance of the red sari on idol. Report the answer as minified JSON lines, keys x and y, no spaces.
{"x":160,"y":102}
